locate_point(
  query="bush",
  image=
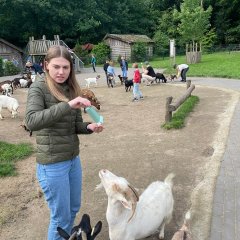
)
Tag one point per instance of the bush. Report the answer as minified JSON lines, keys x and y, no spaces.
{"x":11,"y":69}
{"x":1,"y":67}
{"x":102,"y":52}
{"x":139,"y":52}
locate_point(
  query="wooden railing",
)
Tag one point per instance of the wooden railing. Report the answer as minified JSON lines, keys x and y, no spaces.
{"x":170,"y":107}
{"x":40,"y":47}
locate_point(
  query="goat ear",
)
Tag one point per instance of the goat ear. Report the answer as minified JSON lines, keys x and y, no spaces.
{"x":62,"y":233}
{"x":97,"y":229}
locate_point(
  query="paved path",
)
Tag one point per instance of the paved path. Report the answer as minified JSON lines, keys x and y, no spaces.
{"x":226,"y":205}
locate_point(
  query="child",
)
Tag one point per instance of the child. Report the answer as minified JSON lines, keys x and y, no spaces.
{"x":136,"y":81}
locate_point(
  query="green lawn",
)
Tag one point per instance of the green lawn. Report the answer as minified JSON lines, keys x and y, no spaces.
{"x":10,"y":153}
{"x":224,"y":65}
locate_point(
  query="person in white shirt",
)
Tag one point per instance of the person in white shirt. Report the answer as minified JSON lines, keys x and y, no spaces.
{"x":181,"y":71}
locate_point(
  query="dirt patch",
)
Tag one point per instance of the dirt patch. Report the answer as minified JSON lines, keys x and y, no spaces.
{"x":133,"y":145}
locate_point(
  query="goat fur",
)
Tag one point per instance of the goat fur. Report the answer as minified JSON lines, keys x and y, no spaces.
{"x":10,"y":103}
{"x":91,"y":80}
{"x":130,"y":217}
{"x":87,"y":93}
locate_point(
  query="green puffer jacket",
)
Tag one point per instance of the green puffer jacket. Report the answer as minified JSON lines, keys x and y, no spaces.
{"x":55,"y":123}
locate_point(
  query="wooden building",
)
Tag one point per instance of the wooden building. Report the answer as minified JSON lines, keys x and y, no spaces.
{"x":121,"y":44}
{"x":37,"y":49}
{"x":9,"y":51}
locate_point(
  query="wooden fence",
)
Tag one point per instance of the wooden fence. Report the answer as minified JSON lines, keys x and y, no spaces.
{"x":170,"y":107}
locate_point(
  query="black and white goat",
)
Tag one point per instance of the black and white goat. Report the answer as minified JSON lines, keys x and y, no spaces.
{"x":83,"y":231}
{"x":132,"y":217}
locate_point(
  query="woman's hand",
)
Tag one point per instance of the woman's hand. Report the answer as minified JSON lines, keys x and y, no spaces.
{"x":95,"y":127}
{"x":79,"y":102}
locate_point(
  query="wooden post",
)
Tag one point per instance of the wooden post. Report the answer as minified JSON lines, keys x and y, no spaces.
{"x":168,"y":115}
{"x":188,"y":83}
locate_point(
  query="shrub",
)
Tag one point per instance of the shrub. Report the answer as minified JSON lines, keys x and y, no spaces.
{"x":10,"y":69}
{"x":139,"y":52}
{"x":101,"y":52}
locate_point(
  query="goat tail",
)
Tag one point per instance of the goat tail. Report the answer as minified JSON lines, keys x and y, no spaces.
{"x":187,"y":217}
{"x":169,"y":179}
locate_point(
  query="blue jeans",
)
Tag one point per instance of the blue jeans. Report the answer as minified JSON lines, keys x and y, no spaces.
{"x":183,"y":74}
{"x":136,"y":91}
{"x":61,"y":183}
{"x":124,"y":72}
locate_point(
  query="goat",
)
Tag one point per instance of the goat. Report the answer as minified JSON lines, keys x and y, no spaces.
{"x":6,"y":82}
{"x":6,"y":88}
{"x":159,"y":77}
{"x":122,"y":79}
{"x":83,"y":231}
{"x":23,"y":83}
{"x":132,"y":217}
{"x":92,"y":80}
{"x":128,"y":85}
{"x":183,"y":233}
{"x":172,"y":77}
{"x":87,"y":93}
{"x":110,"y":80}
{"x":10,"y":103}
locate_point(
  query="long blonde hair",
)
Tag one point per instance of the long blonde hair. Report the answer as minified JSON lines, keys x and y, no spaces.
{"x":74,"y":88}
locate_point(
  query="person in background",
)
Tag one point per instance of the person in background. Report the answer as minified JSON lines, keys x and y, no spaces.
{"x":182,"y":70}
{"x":148,"y":74}
{"x":137,"y":94}
{"x":105,"y":67}
{"x":15,"y":62}
{"x":53,"y":111}
{"x":37,"y":68}
{"x":93,"y":62}
{"x":124,"y":67}
{"x":111,"y":73}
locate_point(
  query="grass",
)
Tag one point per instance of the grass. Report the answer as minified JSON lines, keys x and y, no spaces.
{"x":223,"y":65}
{"x":10,"y":153}
{"x":181,"y":113}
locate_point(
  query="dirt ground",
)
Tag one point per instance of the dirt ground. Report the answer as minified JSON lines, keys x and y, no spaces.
{"x":132,"y":145}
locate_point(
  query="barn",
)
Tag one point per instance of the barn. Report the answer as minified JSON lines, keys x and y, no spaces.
{"x":121,"y":44}
{"x":9,"y":51}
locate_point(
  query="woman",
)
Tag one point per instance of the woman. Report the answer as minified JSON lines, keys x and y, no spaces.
{"x":53,"y":111}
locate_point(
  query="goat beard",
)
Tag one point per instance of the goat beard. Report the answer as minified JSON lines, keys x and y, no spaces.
{"x":99,"y":186}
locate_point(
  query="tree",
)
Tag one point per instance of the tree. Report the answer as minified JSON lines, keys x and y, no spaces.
{"x":194,"y":21}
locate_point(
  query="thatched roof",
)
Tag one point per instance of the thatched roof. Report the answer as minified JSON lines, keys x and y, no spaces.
{"x":129,"y":38}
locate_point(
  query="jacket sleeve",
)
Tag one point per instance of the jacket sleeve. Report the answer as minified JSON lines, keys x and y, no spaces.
{"x":81,"y":127}
{"x":36,"y":116}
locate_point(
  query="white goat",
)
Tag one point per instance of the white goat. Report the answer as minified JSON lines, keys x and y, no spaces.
{"x":92,"y":80}
{"x":23,"y":82}
{"x":131,"y":217}
{"x":10,"y":103}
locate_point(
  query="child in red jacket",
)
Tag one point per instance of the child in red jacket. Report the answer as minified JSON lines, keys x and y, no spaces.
{"x":137,"y":94}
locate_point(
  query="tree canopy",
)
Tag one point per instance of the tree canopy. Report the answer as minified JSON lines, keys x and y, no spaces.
{"x":85,"y":21}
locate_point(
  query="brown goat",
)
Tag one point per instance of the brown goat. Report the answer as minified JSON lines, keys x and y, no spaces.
{"x":87,"y":93}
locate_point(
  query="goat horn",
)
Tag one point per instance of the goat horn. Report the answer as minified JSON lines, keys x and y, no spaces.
{"x":134,"y":199}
